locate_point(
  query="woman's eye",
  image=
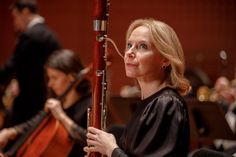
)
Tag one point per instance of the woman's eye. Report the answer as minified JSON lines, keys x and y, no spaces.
{"x":143,"y":46}
{"x":129,"y":46}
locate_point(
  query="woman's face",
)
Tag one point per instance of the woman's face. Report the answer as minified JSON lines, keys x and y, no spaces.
{"x":141,"y":59}
{"x":58,"y":80}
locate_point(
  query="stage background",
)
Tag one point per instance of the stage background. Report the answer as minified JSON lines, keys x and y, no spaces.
{"x":205,"y":28}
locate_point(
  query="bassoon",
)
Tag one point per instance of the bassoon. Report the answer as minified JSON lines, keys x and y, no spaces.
{"x":97,"y":115}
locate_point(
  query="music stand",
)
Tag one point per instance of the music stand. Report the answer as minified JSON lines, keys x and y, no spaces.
{"x":207,"y":122}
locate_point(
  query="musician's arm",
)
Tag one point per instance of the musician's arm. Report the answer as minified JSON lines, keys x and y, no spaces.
{"x":70,"y":125}
{"x":23,"y":127}
{"x":11,"y":133}
{"x":76,"y":132}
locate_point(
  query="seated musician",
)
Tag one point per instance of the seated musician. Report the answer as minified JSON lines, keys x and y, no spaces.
{"x":62,"y":68}
{"x":160,"y":125}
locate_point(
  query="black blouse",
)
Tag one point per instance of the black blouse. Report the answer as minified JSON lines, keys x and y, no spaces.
{"x":158,"y":128}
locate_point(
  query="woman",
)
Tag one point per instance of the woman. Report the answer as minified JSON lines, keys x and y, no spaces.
{"x":160,"y":125}
{"x":62,"y":68}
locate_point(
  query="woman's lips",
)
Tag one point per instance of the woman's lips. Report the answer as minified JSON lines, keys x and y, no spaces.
{"x":131,"y":65}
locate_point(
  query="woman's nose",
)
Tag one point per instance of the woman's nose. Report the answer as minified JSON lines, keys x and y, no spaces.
{"x":130,"y":53}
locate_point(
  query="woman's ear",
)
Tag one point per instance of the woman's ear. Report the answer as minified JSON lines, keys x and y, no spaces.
{"x":165,"y":62}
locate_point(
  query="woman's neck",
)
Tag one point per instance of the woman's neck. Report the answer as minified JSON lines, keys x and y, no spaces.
{"x":70,"y":99}
{"x":150,"y":87}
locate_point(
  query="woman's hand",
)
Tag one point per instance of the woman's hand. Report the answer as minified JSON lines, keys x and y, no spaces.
{"x":6,"y":135}
{"x":55,"y":107}
{"x":100,"y":141}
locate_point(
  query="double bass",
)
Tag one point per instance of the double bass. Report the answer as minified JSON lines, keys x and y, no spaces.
{"x":47,"y":137}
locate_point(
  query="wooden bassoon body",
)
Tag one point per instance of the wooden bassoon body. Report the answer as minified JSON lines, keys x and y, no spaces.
{"x":97,"y":114}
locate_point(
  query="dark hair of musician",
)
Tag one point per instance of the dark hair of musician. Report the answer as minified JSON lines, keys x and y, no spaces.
{"x":32,"y":5}
{"x":68,"y":62}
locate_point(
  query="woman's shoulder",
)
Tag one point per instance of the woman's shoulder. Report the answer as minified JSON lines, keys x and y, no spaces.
{"x":166,"y":94}
{"x":165,"y":99}
{"x":170,"y":94}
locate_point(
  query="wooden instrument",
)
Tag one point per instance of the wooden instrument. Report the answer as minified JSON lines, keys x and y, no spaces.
{"x":98,"y":110}
{"x":49,"y":139}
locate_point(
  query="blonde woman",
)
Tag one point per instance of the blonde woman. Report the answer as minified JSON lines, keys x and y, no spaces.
{"x":160,"y":125}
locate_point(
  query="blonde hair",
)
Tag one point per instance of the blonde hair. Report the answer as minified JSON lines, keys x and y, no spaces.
{"x":166,"y":42}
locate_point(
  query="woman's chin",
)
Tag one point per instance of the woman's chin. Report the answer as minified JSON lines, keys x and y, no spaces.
{"x":130,"y":75}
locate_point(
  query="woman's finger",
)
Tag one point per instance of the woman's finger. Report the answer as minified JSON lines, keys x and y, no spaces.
{"x":92,"y":142}
{"x":90,"y":149}
{"x":92,"y":136}
{"x":93,"y":130}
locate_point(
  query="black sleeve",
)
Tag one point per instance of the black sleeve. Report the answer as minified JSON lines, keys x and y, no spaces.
{"x":117,"y":152}
{"x":7,"y":70}
{"x":24,"y":127}
{"x":19,"y":54}
{"x":78,"y":134}
{"x":78,"y":114}
{"x":161,"y":129}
